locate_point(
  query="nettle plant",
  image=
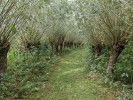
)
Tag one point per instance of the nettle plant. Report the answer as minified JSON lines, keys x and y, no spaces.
{"x":10,"y":15}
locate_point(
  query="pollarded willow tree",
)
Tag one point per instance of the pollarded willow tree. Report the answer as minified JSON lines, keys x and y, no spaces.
{"x":69,"y":39}
{"x":71,"y":35}
{"x":87,"y":12}
{"x":109,"y":23}
{"x":94,"y":37}
{"x":10,"y":15}
{"x":33,"y":31}
{"x":57,"y":22}
{"x":117,"y":27}
{"x":56,"y":34}
{"x":79,"y":40}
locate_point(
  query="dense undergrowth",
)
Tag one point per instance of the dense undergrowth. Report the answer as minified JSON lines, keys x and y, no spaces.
{"x":106,"y":25}
{"x":26,"y":72}
{"x":122,"y":77}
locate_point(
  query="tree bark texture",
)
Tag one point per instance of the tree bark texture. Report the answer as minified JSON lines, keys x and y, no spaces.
{"x":114,"y":54}
{"x":3,"y":60}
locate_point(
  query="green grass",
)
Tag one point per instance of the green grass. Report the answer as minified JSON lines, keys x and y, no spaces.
{"x":70,"y":81}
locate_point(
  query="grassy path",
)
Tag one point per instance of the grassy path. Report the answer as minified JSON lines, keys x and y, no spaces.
{"x":69,"y":81}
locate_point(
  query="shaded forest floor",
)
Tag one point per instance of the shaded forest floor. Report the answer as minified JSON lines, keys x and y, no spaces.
{"x":69,"y":81}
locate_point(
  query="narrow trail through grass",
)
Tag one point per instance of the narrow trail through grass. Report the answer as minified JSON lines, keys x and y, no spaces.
{"x":70,"y":82}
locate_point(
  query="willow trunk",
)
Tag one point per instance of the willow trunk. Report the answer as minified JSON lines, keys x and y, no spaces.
{"x":98,"y":50}
{"x":3,"y":61}
{"x":114,"y":54}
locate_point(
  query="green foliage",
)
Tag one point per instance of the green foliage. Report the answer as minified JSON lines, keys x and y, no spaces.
{"x":61,"y":22}
{"x":27,"y":71}
{"x":123,"y":67}
{"x":112,"y":23}
{"x":97,"y":64}
{"x":67,"y":50}
{"x":123,"y":70}
{"x":10,"y":13}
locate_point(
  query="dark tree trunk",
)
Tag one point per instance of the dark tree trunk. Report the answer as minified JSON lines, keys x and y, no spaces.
{"x":114,"y":54}
{"x":71,"y":44}
{"x":98,"y":50}
{"x":56,"y":48}
{"x":52,"y":54}
{"x":61,"y":46}
{"x":93,"y":49}
{"x":67,"y":44}
{"x":3,"y":60}
{"x":75,"y":45}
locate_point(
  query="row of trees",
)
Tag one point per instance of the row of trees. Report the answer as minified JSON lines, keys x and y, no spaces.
{"x":9,"y":17}
{"x":108,"y":24}
{"x":62,"y":24}
{"x":65,"y":23}
{"x":31,"y":23}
